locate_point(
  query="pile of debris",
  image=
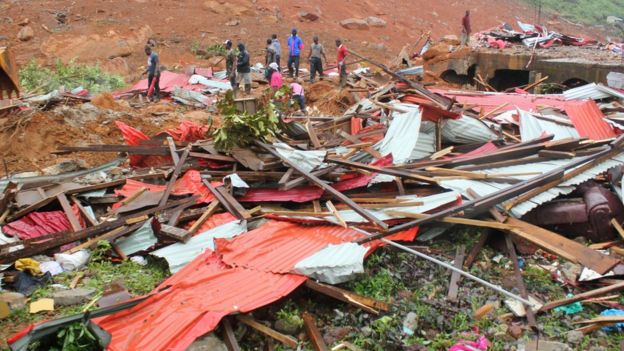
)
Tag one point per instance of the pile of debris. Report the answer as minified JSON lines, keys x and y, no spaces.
{"x":530,"y":36}
{"x":242,"y":227}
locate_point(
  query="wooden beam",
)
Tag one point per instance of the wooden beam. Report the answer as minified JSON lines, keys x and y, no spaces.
{"x":207,"y":214}
{"x":228,"y":201}
{"x":583,"y":296}
{"x":453,"y":290}
{"x":85,"y":214}
{"x":332,"y":209}
{"x":335,"y":193}
{"x":389,"y":171}
{"x":176,"y":173}
{"x":228,"y":335}
{"x":314,"y":334}
{"x":172,"y":150}
{"x":366,"y":303}
{"x":73,"y":220}
{"x":284,"y":339}
{"x":356,"y":140}
{"x":617,"y":227}
{"x":511,"y":250}
{"x":454,"y":220}
{"x":476,"y":248}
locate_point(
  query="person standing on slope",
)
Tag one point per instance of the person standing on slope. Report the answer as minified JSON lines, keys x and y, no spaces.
{"x":314,"y":56}
{"x":466,"y":29}
{"x":243,"y":70}
{"x":341,"y":55}
{"x":153,"y":74}
{"x":295,"y":45}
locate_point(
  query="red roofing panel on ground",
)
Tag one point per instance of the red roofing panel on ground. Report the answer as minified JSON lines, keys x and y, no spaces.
{"x":168,"y":82}
{"x":492,"y":101}
{"x":36,"y":224}
{"x":196,"y":299}
{"x":299,"y":194}
{"x":212,"y":222}
{"x":588,"y":120}
{"x":359,"y":180}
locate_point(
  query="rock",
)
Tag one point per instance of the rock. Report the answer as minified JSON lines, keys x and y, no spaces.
{"x":286,"y":327}
{"x":366,"y":331}
{"x":450,"y":39}
{"x":117,"y":65}
{"x":4,"y":37}
{"x":65,"y":166}
{"x":574,"y":337}
{"x":72,"y":296}
{"x":23,"y":22}
{"x":308,"y":16}
{"x":375,"y":22}
{"x":546,"y":346}
{"x":570,"y":270}
{"x":15,"y":300}
{"x":232,"y":23}
{"x":410,"y":323}
{"x":222,"y":7}
{"x":207,"y":343}
{"x":354,"y":23}
{"x":335,"y":334}
{"x":515,"y":331}
{"x":26,"y":33}
{"x":597,"y":348}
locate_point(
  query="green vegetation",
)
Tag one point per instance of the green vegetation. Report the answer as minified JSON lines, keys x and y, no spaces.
{"x":290,"y":314}
{"x":208,"y":52}
{"x":75,"y":337}
{"x":242,"y":129}
{"x":380,"y":286}
{"x":583,"y":11}
{"x":35,"y":78}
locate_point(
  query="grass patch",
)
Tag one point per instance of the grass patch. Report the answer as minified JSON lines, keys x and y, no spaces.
{"x":35,"y":78}
{"x":583,"y":11}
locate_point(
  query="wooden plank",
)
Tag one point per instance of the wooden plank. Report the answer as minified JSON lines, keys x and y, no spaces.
{"x":209,"y":212}
{"x":511,"y":250}
{"x":560,"y":245}
{"x":91,"y":242}
{"x":312,"y":134}
{"x":37,"y":205}
{"x":335,"y":193}
{"x":314,"y":334}
{"x":476,"y":248}
{"x":284,"y":339}
{"x":453,"y":290}
{"x":583,"y":296}
{"x":389,"y":171}
{"x":172,"y":150}
{"x":85,"y":214}
{"x":73,"y":220}
{"x":332,"y":209}
{"x":454,"y":220}
{"x":228,"y":201}
{"x":176,"y":173}
{"x":228,"y":335}
{"x":207,"y":156}
{"x":366,"y":303}
{"x":617,"y":227}
{"x":177,"y":212}
{"x":301,"y":180}
{"x":317,"y":206}
{"x":356,"y":140}
{"x":286,"y":176}
{"x":8,"y":195}
{"x":175,"y":233}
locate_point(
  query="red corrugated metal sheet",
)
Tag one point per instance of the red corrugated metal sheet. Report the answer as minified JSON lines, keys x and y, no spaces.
{"x":588,"y":120}
{"x":191,"y":304}
{"x":430,"y":112}
{"x":168,"y":82}
{"x":299,"y":194}
{"x":212,"y":222}
{"x":189,"y":183}
{"x":481,"y":150}
{"x":357,"y":180}
{"x":277,"y":246}
{"x":493,"y":101}
{"x":36,"y":224}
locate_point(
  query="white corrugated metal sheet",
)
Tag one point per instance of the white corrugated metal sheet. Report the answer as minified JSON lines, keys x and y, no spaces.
{"x":402,"y":135}
{"x":592,"y":91}
{"x":334,"y":264}
{"x":308,"y":160}
{"x":466,"y":130}
{"x":140,"y":240}
{"x":532,"y":127}
{"x":425,"y":146}
{"x":179,"y":255}
{"x":485,"y":188}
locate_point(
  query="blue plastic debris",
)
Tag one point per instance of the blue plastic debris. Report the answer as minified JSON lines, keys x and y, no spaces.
{"x":613,"y":312}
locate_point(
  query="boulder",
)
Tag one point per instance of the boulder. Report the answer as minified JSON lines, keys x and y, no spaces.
{"x":24,"y":22}
{"x":375,"y":22}
{"x":72,"y":296}
{"x":207,"y":343}
{"x":232,"y":23}
{"x":15,"y":300}
{"x":308,"y":16}
{"x":574,"y":337}
{"x":26,"y":33}
{"x":354,"y":23}
{"x":450,"y":39}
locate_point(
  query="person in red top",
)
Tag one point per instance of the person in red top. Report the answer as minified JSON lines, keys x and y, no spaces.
{"x":341,"y":54}
{"x":466,"y":30}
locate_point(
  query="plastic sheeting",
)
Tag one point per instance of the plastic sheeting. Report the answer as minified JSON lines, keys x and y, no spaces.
{"x":334,"y":264}
{"x":179,"y":255}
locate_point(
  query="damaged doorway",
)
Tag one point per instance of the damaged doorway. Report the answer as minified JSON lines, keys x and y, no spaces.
{"x":509,"y":78}
{"x":451,"y":76}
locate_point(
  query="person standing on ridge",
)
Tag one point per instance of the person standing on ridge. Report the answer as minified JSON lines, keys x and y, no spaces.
{"x":269,"y":56}
{"x":295,"y":45}
{"x":341,"y":54}
{"x":314,"y":56}
{"x":466,"y":29}
{"x":153,"y":74}
{"x":277,"y":48}
{"x":243,"y":70}
{"x":230,"y":60}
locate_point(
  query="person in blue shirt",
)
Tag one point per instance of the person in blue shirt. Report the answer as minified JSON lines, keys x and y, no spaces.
{"x":153,"y":72}
{"x":295,"y":45}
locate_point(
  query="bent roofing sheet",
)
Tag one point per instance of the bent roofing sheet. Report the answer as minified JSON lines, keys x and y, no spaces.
{"x":486,"y":188}
{"x":140,"y":240}
{"x":591,"y":91}
{"x":532,"y":128}
{"x":36,"y":224}
{"x":588,"y":120}
{"x":467,"y":130}
{"x":179,"y":255}
{"x":192,"y":302}
{"x":492,"y":101}
{"x":334,"y":264}
{"x":402,"y":135}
